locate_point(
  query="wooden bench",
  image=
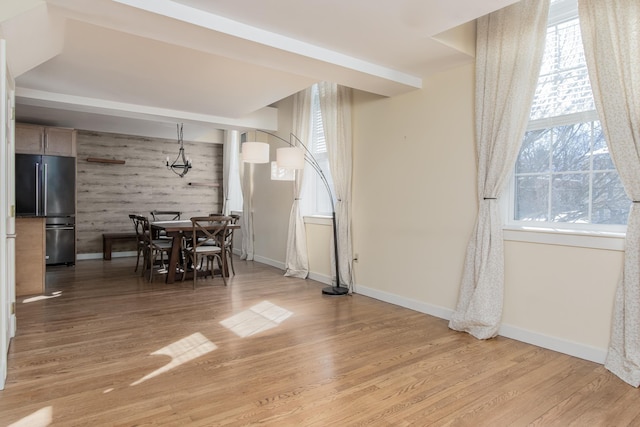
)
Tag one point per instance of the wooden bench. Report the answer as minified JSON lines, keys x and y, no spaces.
{"x":109,"y":238}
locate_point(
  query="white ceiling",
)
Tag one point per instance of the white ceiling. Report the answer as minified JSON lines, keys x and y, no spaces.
{"x":141,"y":66}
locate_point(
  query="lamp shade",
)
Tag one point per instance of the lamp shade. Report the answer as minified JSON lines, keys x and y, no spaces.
{"x":290,"y":158}
{"x":255,"y":152}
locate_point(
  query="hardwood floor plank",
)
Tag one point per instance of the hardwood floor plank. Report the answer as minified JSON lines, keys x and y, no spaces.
{"x":107,"y":348}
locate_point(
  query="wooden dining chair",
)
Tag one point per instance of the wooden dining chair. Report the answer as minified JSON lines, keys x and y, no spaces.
{"x":138,"y":226}
{"x":228,"y":242}
{"x":157,"y":215}
{"x":206,"y":243}
{"x":153,"y":247}
{"x":228,"y":239}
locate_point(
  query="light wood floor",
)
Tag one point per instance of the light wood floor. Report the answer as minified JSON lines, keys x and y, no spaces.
{"x":86,"y":358}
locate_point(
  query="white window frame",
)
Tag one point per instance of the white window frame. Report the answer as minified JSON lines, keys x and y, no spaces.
{"x":315,"y":199}
{"x":598,"y":236}
{"x":235,"y":191}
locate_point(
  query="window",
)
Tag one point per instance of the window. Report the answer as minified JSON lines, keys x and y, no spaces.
{"x":564,"y":173}
{"x":316,"y":200}
{"x":235,"y":189}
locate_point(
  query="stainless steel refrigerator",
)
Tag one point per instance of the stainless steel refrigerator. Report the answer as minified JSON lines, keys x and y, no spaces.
{"x":46,"y":187}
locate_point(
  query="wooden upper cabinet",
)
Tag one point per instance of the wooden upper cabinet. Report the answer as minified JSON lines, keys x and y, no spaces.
{"x":29,"y":139}
{"x":60,"y":142}
{"x":33,"y":139}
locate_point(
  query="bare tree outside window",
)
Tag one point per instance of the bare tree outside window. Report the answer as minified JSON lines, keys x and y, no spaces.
{"x":564,"y":173}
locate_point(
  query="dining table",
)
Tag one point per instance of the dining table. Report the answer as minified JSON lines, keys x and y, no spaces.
{"x":177,"y":230}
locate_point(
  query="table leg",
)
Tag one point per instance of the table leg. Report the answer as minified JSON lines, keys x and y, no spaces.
{"x":173,"y":258}
{"x":224,"y":269}
{"x":106,"y":248}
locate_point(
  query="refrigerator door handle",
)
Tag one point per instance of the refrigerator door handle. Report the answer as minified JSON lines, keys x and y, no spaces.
{"x":37,"y":170}
{"x":46,"y":178}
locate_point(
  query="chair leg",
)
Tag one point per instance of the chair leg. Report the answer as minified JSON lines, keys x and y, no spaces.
{"x":187,"y":260}
{"x":219,"y":257}
{"x":145,"y":261}
{"x":153,"y":263}
{"x":230,"y":258}
{"x":137,"y":260}
{"x":195,"y":271}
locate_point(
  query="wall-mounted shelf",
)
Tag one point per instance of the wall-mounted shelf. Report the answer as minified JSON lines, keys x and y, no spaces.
{"x":204,"y":184}
{"x":111,"y":161}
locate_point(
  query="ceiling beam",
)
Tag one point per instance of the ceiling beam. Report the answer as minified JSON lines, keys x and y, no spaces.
{"x":265,"y":118}
{"x":210,"y":21}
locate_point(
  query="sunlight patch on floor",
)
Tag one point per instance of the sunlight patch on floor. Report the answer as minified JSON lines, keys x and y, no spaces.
{"x":259,"y":318}
{"x":55,"y":294}
{"x":181,"y":352}
{"x":40,"y":418}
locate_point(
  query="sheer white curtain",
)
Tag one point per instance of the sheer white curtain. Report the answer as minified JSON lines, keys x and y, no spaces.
{"x":611,"y":37}
{"x":335,"y":107}
{"x":246,"y":221}
{"x":509,"y":48}
{"x":229,"y":150}
{"x":297,"y":259}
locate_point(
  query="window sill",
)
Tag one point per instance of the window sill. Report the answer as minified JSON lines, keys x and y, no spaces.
{"x":318,"y":219}
{"x":553,"y":236}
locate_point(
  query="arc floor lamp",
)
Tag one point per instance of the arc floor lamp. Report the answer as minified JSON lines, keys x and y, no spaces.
{"x":294,"y":157}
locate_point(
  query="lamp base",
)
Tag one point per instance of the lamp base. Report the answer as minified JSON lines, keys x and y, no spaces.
{"x":335,"y":290}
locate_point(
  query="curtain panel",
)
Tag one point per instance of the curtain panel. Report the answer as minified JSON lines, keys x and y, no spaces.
{"x":509,"y":49}
{"x":246,"y":221}
{"x":335,"y":107}
{"x":297,"y":259}
{"x":611,"y":37}
{"x":231,"y":138}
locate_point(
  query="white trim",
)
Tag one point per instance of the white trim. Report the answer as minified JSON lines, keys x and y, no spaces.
{"x":571,"y":348}
{"x":210,"y":21}
{"x":564,"y":346}
{"x":322,"y":278}
{"x":264,"y":118}
{"x":318,"y":220}
{"x":281,"y":266}
{"x":98,"y":255}
{"x":556,"y":236}
{"x":419,"y":306}
{"x":273,"y":263}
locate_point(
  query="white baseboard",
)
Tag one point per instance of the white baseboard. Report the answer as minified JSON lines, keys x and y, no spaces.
{"x":282,"y":266}
{"x":268,"y":261}
{"x":581,"y":351}
{"x":320,"y":278}
{"x":422,"y":307}
{"x":98,"y":255}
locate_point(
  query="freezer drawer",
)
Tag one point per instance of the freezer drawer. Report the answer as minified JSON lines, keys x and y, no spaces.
{"x":61,"y":245}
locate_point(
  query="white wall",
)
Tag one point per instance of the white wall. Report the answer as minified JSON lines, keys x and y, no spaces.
{"x":272,"y":199}
{"x":414,"y":207}
{"x":414,"y":193}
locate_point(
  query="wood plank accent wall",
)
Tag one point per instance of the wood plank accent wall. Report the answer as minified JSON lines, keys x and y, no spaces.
{"x":108,"y":193}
